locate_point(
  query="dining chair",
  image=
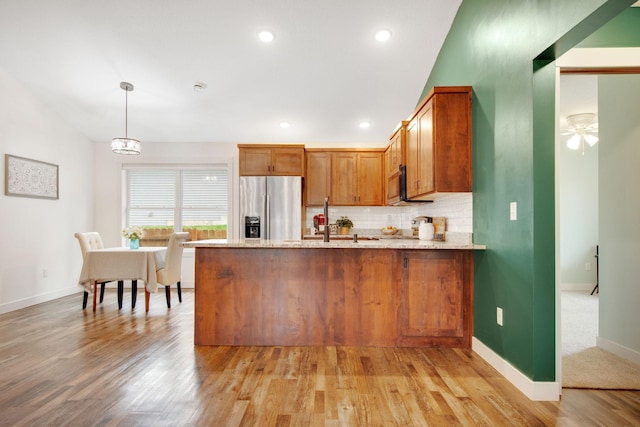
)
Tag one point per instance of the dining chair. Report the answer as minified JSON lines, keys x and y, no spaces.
{"x":92,"y":240}
{"x":171,"y":272}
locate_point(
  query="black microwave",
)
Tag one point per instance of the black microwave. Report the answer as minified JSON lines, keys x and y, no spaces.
{"x":402,"y":184}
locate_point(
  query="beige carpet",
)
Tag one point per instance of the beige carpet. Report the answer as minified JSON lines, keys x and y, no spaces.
{"x":597,"y":368}
{"x":583,"y":364}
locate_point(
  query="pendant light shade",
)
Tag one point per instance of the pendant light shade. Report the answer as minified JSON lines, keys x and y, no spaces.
{"x":125,"y":145}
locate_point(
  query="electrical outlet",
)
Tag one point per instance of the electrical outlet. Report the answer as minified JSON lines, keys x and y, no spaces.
{"x":45,"y":273}
{"x":499,"y":316}
{"x":587,"y":266}
{"x":513,"y":211}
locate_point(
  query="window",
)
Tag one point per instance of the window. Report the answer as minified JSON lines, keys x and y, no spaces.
{"x":162,"y":200}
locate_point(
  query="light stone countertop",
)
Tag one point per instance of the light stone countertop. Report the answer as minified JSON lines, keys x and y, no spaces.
{"x":335,"y":244}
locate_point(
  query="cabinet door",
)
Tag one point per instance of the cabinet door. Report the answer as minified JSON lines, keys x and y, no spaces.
{"x":433,"y":295}
{"x":344,"y":179}
{"x":317,"y":178}
{"x":287,"y":161}
{"x":370,"y":183}
{"x":412,"y":158}
{"x":425,"y":149}
{"x":255,"y":161}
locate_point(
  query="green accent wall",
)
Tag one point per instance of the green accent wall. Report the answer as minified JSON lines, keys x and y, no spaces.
{"x":505,"y":50}
{"x":621,"y":31}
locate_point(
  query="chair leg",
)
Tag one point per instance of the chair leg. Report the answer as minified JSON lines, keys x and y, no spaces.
{"x":85,"y":298}
{"x":120,"y":293}
{"x":95,"y":295}
{"x":179,"y":292}
{"x":167,"y":292}
{"x":102,"y":285}
{"x":147,"y":295}
{"x":134,"y":293}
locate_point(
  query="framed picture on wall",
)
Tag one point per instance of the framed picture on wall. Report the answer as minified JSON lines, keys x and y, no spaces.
{"x":30,"y":178}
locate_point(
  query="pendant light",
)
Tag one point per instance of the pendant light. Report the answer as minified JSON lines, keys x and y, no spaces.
{"x":125,"y":145}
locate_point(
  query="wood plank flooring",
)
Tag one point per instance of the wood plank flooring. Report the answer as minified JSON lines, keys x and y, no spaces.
{"x":62,"y":366}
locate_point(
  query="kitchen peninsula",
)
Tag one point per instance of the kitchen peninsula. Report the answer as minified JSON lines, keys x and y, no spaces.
{"x":404,"y":293}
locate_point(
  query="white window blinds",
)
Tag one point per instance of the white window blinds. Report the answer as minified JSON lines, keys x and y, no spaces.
{"x":177,"y":196}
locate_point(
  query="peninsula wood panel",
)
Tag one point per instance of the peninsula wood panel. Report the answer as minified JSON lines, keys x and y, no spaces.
{"x":351,"y":296}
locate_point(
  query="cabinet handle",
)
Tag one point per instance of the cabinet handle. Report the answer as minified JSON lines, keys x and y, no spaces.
{"x":406,"y":262}
{"x":273,"y":168}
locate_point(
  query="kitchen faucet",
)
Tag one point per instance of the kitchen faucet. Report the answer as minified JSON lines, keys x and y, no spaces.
{"x":326,"y":219}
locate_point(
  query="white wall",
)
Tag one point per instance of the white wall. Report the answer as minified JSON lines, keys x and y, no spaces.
{"x":619,"y":103}
{"x":577,"y":188}
{"x":37,"y":234}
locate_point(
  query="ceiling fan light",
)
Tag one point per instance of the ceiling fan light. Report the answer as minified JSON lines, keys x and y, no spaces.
{"x":573,"y":143}
{"x":591,"y":139}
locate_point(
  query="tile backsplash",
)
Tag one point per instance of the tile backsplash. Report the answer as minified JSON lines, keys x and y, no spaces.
{"x":457,"y":208}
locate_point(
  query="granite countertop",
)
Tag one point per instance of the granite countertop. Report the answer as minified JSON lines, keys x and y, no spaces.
{"x":339,"y":244}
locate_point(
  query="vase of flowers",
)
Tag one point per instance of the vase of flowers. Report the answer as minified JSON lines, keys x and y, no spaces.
{"x":134,"y":234}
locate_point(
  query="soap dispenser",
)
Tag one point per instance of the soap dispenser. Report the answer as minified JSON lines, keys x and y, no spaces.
{"x":425,"y":231}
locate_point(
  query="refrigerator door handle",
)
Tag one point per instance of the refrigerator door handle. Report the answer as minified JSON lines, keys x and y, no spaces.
{"x":267,"y":209}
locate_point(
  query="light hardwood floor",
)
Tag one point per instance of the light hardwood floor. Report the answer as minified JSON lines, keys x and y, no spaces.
{"x":62,"y":366}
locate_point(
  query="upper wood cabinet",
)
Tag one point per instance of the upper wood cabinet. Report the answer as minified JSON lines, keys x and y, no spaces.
{"x":356,"y":179}
{"x":394,"y":157}
{"x":347,"y":177}
{"x":438,"y":144}
{"x":317,"y":184}
{"x":260,"y":160}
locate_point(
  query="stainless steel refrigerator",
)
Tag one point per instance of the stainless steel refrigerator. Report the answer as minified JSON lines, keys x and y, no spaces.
{"x":271,"y":207}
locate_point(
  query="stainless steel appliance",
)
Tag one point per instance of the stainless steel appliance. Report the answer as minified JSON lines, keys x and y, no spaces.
{"x":274,"y":203}
{"x":402,"y":188}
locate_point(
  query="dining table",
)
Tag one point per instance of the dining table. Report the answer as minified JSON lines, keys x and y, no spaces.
{"x":122,"y":263}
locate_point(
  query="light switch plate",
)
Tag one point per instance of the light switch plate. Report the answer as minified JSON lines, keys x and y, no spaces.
{"x":513,"y":211}
{"x":499,"y":316}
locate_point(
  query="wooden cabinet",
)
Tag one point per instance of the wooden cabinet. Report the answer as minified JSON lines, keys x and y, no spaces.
{"x":348,"y":177}
{"x":317,"y":178}
{"x":436,"y":296}
{"x":348,"y":296}
{"x":261,"y":160}
{"x":438,"y":144}
{"x":394,"y":157}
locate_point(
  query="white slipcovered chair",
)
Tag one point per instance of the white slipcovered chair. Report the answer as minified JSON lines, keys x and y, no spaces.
{"x":172,"y":270}
{"x":92,"y":240}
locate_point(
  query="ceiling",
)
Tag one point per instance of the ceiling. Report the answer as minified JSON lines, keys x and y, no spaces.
{"x":323,"y":73}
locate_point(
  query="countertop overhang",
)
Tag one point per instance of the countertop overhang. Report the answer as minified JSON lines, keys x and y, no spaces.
{"x":336,"y":244}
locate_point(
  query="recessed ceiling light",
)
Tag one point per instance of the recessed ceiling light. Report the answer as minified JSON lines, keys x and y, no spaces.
{"x":285,"y":125}
{"x":383,"y":35}
{"x":365,"y":124}
{"x":266,"y":36}
{"x":199,"y":86}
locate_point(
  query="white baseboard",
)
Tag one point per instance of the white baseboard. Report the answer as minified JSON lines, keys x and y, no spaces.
{"x":534,"y":390}
{"x":37,"y":299}
{"x":577,"y":286}
{"x":619,"y":350}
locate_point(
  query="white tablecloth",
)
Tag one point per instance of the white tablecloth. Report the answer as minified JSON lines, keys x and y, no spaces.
{"x":110,"y":264}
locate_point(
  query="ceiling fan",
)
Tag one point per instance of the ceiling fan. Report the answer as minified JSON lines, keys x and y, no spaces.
{"x":583,"y":128}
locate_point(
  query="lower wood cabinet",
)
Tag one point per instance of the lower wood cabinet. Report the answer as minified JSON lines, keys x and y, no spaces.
{"x":435,"y":299}
{"x":351,"y":296}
